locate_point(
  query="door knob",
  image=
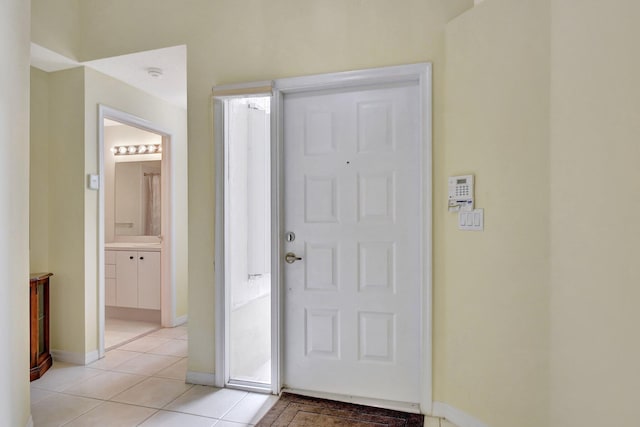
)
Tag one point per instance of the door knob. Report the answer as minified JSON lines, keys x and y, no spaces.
{"x":290,"y":258}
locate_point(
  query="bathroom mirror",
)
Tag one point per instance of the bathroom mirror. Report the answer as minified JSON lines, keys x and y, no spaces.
{"x":137,"y":198}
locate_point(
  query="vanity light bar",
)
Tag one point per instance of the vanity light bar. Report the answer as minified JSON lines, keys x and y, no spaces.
{"x":124,"y":150}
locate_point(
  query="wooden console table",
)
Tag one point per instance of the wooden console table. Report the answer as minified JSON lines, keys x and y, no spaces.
{"x":40,"y":358}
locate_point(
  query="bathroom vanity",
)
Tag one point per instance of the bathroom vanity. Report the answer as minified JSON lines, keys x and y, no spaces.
{"x":133,"y":275}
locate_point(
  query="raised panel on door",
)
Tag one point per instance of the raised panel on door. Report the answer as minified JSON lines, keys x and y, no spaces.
{"x":149,"y":280}
{"x":351,"y":190}
{"x":126,"y":279}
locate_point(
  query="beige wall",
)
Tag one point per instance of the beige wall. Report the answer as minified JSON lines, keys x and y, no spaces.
{"x":591,"y":316}
{"x":58,"y":22}
{"x":595,"y":129}
{"x":39,"y":173}
{"x":492,"y":292}
{"x":14,"y":209}
{"x":66,"y":209}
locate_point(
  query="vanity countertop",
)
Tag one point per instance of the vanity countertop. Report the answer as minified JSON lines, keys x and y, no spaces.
{"x":138,"y":246}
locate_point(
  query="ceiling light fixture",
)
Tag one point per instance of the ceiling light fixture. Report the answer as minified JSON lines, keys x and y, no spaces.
{"x":124,"y":150}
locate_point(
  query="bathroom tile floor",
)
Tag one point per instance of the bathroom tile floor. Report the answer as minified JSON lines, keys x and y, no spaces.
{"x":140,"y":383}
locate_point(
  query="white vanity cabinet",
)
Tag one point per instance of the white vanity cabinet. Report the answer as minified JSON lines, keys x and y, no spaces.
{"x":127,"y":279}
{"x":149,"y":280}
{"x":110,"y":277}
{"x":137,"y":279}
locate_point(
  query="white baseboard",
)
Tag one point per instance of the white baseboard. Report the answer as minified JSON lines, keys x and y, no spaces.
{"x":30,"y":422}
{"x":91,"y":357}
{"x":75,"y":358}
{"x":126,"y":313}
{"x":201,"y":378}
{"x":456,"y":416}
{"x":413,"y":408}
{"x":181,"y":320}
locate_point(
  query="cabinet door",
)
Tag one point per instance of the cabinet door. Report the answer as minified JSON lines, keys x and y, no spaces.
{"x":110,"y":291}
{"x":127,"y":279}
{"x":110,"y":277}
{"x":110,"y":257}
{"x":149,"y":280}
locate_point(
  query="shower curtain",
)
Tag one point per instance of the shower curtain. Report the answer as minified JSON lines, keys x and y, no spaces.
{"x":152,"y":220}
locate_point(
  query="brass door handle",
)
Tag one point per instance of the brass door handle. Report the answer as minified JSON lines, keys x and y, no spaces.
{"x":290,"y":258}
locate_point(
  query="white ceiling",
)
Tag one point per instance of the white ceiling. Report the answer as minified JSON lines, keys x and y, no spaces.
{"x":131,"y":69}
{"x":109,"y":122}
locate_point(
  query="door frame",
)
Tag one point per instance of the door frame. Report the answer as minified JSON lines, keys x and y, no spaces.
{"x":168,"y":283}
{"x":420,"y":73}
{"x":221,"y":375}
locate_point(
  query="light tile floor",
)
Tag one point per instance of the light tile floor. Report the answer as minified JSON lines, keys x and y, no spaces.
{"x":119,"y":331}
{"x":140,"y":383}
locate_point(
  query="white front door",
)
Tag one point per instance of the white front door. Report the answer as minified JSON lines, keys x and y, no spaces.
{"x":352,"y":182}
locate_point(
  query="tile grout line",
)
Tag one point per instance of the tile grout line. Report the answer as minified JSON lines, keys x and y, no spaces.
{"x":150,"y":415}
{"x":117,"y":346}
{"x":237,"y":403}
{"x":97,"y":398}
{"x":115,"y":369}
{"x":160,"y":345}
{"x":83,"y":414}
{"x":179,"y":396}
{"x":121,"y":363}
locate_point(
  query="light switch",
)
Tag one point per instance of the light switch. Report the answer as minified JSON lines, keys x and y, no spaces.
{"x":94,"y":181}
{"x":471,"y":221}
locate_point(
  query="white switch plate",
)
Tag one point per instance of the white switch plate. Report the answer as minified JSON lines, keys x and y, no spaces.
{"x":94,"y":181}
{"x":471,"y":220}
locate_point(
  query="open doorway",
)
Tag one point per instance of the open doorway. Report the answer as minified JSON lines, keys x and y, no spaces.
{"x":247,"y":243}
{"x":138,"y":294}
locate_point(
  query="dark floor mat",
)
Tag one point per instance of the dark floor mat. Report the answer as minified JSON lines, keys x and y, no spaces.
{"x":298,"y":411}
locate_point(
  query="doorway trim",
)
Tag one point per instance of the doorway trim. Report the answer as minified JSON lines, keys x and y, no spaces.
{"x":221,"y":376}
{"x":422,"y":74}
{"x":168,"y":284}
